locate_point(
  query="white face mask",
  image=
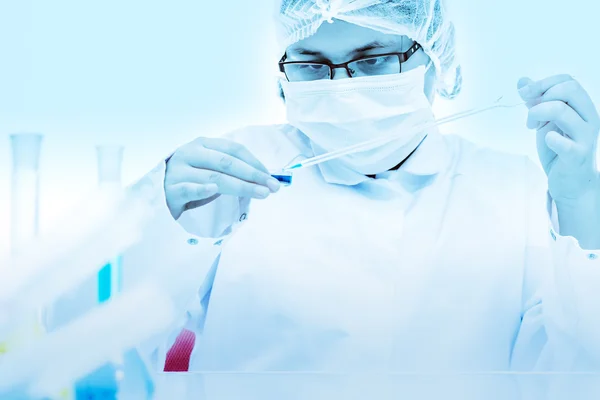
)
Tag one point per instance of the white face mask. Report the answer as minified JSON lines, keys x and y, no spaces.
{"x":337,"y":113}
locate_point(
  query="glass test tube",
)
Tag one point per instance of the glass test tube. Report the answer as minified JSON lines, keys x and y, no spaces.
{"x":110,"y":160}
{"x":25,"y":189}
{"x":24,"y":218}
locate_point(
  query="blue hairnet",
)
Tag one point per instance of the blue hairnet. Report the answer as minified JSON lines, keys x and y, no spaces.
{"x":424,"y":21}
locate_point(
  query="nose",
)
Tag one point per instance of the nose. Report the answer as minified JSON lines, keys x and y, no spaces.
{"x":340,"y":73}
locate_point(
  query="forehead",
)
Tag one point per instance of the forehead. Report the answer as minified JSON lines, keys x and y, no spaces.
{"x":342,"y":38}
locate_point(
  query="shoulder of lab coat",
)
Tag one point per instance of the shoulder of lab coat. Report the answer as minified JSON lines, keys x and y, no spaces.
{"x":561,"y":291}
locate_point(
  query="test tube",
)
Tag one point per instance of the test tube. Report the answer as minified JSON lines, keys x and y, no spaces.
{"x":25,"y":189}
{"x":284,"y":177}
{"x":110,"y":160}
{"x":104,"y":381}
{"x":24,"y":222}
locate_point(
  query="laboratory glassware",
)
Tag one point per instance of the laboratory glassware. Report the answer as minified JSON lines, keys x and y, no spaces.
{"x":24,"y":217}
{"x":24,"y":189}
{"x":110,"y":160}
{"x":374,"y":143}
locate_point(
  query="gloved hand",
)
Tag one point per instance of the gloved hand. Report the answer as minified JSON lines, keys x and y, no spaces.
{"x":205,"y":168}
{"x":567,"y":125}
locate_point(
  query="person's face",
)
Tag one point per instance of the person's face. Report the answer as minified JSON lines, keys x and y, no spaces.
{"x":341,"y":41}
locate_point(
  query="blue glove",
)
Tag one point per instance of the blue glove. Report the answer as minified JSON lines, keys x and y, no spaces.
{"x":567,"y":124}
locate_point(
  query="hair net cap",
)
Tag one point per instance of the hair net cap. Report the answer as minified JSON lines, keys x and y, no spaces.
{"x":424,"y":21}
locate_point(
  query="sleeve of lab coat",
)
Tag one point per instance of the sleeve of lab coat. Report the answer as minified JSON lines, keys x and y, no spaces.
{"x":193,"y":242}
{"x":167,"y":248}
{"x":560,"y":328}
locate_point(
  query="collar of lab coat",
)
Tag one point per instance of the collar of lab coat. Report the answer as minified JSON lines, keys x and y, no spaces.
{"x":431,"y":158}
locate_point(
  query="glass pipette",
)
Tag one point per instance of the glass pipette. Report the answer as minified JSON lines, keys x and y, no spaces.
{"x":370,"y":144}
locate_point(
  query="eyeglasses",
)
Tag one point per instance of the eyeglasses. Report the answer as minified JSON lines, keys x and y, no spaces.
{"x":379,"y":64}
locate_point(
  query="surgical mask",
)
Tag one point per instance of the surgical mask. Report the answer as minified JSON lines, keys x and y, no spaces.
{"x":334,"y":114}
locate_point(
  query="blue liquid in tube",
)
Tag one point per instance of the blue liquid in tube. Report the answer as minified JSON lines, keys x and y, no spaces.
{"x":109,"y":280}
{"x":284,"y":178}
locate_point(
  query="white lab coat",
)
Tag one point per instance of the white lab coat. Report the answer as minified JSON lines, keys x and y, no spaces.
{"x":449,"y":264}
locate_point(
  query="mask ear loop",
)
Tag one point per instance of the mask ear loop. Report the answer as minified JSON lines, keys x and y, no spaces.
{"x":428,"y":66}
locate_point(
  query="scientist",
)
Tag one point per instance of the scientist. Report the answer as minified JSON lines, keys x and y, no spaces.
{"x":427,"y":253}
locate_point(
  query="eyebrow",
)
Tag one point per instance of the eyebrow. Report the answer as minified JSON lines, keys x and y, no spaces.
{"x":371,"y":46}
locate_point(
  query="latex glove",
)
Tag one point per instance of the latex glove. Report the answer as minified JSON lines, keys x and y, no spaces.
{"x":206,"y":168}
{"x":567,"y":124}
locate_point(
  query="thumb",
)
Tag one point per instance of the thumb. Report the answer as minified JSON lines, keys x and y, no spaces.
{"x":524,"y":92}
{"x":524,"y":82}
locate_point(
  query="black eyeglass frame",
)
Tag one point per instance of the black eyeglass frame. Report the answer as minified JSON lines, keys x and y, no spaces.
{"x":402,"y":58}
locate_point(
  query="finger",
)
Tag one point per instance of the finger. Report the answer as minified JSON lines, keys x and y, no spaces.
{"x":214,"y":160}
{"x":524,"y":82}
{"x":541,"y":134}
{"x":572,"y":93}
{"x":534,"y":123}
{"x":564,"y":117}
{"x":565,"y":148}
{"x":228,"y":184}
{"x":234,"y":149}
{"x":185,"y":192}
{"x":533,"y":103}
{"x":530,"y":89}
{"x":544,"y":130}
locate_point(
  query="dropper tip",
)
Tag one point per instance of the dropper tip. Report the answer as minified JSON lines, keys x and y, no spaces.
{"x":291,"y":167}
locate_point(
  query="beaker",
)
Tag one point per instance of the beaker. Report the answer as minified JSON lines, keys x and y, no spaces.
{"x":25,"y":189}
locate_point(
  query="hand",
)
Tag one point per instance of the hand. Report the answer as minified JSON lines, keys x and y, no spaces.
{"x":567,"y":125}
{"x":202,"y":170}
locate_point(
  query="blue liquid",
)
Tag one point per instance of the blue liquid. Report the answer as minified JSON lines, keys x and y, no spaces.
{"x":284,"y":179}
{"x":105,"y":289}
{"x":99,"y":385}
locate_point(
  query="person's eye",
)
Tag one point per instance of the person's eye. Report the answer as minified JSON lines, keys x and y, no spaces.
{"x":372,"y":62}
{"x":312,"y":67}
